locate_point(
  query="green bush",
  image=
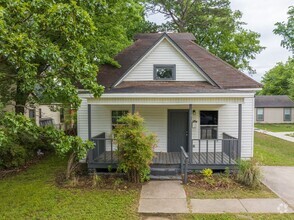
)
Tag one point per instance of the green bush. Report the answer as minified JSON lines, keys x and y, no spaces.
{"x":249,"y":173}
{"x":207,"y":172}
{"x":135,"y":149}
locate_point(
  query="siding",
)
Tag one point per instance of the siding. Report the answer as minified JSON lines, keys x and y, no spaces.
{"x":164,"y":53}
{"x":156,"y":121}
{"x":274,"y":115}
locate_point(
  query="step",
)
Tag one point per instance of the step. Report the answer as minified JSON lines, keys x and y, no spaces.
{"x":164,"y":171}
{"x":166,"y":177}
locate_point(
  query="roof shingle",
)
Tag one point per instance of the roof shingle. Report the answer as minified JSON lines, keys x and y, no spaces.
{"x":273,"y":101}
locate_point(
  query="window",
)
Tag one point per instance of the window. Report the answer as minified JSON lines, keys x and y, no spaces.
{"x":115,"y":115}
{"x":259,"y":114}
{"x":208,"y":124}
{"x":287,"y":114}
{"x":164,"y":72}
{"x":40,"y":113}
{"x":62,"y":115}
{"x":32,"y":114}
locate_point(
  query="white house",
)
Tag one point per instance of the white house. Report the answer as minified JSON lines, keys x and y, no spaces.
{"x":187,"y":96}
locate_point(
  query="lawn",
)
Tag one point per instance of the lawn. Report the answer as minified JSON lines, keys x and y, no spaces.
{"x":273,"y":151}
{"x":276,"y":127}
{"x":34,"y":195}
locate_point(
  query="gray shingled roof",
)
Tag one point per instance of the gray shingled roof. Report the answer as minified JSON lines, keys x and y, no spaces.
{"x":220,"y":72}
{"x":273,"y":101}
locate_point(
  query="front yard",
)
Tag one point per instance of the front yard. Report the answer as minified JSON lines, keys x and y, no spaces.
{"x":34,"y":195}
{"x":272,"y":151}
{"x":276,"y":127}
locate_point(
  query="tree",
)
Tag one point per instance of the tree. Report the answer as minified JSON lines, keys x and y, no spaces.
{"x":286,"y":30}
{"x":48,"y":47}
{"x":135,"y":149}
{"x":215,"y":26}
{"x":279,"y":80}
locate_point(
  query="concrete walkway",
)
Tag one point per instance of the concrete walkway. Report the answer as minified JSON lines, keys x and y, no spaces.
{"x":281,"y":135}
{"x":163,"y":197}
{"x":281,"y":181}
{"x":169,"y":197}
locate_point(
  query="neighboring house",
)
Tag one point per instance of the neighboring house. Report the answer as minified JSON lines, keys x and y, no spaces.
{"x":274,"y":109}
{"x":43,"y":114}
{"x":187,"y":96}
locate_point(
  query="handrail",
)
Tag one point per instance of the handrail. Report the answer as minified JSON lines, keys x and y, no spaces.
{"x":184,"y":164}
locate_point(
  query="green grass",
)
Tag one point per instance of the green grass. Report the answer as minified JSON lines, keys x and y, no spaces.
{"x":34,"y":195}
{"x":230,"y":193}
{"x":273,"y":151}
{"x":276,"y":127}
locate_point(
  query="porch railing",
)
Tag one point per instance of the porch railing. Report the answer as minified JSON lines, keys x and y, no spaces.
{"x":103,"y":152}
{"x":223,"y":151}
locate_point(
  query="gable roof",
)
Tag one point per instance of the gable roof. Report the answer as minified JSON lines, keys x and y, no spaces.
{"x":219,"y":72}
{"x":273,"y":101}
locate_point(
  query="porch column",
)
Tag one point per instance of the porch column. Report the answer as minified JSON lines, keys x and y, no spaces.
{"x":89,"y":122}
{"x":239,"y":130}
{"x":190,"y":133}
{"x":133,"y":108}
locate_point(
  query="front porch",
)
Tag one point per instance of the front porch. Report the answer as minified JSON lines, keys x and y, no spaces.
{"x":210,"y":153}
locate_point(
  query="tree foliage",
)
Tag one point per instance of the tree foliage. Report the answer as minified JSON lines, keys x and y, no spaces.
{"x":286,"y":30}
{"x":279,"y":80}
{"x":50,"y":46}
{"x":215,"y":26}
{"x":135,"y":147}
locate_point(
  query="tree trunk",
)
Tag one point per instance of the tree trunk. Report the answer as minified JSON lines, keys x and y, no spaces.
{"x":20,"y":100}
{"x":70,"y":165}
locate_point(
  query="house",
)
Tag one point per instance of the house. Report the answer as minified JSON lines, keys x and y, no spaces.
{"x":42,"y":114}
{"x":187,"y":96}
{"x":274,"y":109}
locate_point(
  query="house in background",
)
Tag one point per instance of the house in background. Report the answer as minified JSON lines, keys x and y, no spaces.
{"x":274,"y":109}
{"x":187,"y":96}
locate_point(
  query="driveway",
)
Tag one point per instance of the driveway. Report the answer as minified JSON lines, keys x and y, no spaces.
{"x":280,"y":180}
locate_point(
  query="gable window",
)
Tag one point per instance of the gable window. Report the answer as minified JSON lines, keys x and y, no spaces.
{"x":259,"y":114}
{"x":208,"y":124}
{"x":164,"y":72}
{"x":287,"y":114}
{"x":116,"y":115}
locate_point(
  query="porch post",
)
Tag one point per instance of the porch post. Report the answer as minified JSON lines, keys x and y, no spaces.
{"x":190,"y":133}
{"x":239,"y":130}
{"x":90,"y":152}
{"x":133,"y":108}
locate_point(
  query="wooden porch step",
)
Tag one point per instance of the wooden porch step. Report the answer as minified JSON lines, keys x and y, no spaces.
{"x":165,"y":171}
{"x":173,"y":177}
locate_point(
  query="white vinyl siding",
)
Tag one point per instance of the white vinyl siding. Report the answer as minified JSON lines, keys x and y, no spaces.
{"x":164,"y":54}
{"x":156,"y":121}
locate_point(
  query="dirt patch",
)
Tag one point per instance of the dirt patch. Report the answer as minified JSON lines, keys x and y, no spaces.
{"x":14,"y":171}
{"x":107,"y":181}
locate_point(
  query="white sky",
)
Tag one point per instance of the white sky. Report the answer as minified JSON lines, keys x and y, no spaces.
{"x":260,"y":16}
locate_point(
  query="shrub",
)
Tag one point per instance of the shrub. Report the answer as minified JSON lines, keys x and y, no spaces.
{"x":207,"y":172}
{"x":135,"y":149}
{"x":249,"y":173}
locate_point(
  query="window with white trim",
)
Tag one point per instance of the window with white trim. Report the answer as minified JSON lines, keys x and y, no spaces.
{"x":259,"y":114}
{"x":287,"y":114}
{"x":116,"y":115}
{"x":208,"y":124}
{"x":164,"y":72}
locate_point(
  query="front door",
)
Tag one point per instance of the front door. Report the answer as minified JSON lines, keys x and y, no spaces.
{"x":177,"y":130}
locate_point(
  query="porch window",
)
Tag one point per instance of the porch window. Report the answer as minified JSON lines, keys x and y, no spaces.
{"x":259,"y":114}
{"x":287,"y":114}
{"x":164,"y":72}
{"x":115,"y":115}
{"x":208,"y":124}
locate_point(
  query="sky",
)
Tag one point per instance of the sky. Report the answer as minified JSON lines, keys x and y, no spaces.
{"x":260,"y":16}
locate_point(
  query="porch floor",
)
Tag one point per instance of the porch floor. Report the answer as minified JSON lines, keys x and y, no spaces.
{"x":173,"y":158}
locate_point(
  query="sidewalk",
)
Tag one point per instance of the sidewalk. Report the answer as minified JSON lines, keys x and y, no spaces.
{"x":281,"y":135}
{"x":170,"y":197}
